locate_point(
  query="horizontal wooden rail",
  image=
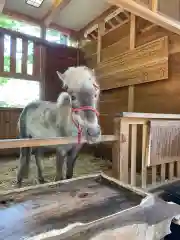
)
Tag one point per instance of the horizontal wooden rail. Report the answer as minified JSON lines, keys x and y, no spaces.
{"x":148,"y":115}
{"x":38,"y":142}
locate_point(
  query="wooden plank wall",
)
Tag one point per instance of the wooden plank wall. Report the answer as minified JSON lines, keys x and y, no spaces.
{"x":156,"y":97}
{"x":8,"y":127}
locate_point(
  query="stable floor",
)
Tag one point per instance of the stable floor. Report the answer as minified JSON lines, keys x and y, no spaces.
{"x":86,"y":164}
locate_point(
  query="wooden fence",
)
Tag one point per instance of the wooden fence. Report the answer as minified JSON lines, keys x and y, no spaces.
{"x":151,"y":139}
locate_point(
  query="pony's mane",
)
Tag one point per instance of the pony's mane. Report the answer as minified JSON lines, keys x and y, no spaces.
{"x":80,"y":77}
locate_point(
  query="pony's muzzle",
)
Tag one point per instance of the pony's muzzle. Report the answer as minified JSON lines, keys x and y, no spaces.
{"x":94,"y":132}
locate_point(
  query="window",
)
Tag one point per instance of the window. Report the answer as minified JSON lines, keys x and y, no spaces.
{"x":19,"y":26}
{"x":16,"y":93}
{"x":34,"y":3}
{"x":52,"y":35}
{"x":59,"y":37}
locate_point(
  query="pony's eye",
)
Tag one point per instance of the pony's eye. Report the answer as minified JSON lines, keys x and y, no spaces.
{"x":73,"y":97}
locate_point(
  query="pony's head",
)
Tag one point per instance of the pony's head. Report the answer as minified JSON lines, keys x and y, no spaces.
{"x":80,"y":83}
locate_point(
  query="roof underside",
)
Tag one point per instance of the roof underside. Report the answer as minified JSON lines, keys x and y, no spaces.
{"x":75,"y":15}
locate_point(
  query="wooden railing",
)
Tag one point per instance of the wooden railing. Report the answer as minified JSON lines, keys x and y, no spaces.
{"x":17,"y":39}
{"x":135,"y":133}
{"x":149,"y":140}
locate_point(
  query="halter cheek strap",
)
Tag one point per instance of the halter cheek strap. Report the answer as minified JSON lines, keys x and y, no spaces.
{"x":79,"y":128}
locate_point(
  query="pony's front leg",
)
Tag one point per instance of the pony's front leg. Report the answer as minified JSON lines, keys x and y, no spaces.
{"x":25,"y":155}
{"x":60,"y":161}
{"x":38,"y":156}
{"x":71,"y":160}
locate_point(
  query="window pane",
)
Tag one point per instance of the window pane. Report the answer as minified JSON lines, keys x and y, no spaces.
{"x":53,"y":35}
{"x":18,"y":93}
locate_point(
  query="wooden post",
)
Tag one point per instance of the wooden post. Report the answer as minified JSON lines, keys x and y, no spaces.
{"x":124,"y":151}
{"x":133,"y":129}
{"x":132,"y":46}
{"x":116,"y":150}
{"x":154,"y":5}
{"x":101,"y":27}
{"x":143,"y":166}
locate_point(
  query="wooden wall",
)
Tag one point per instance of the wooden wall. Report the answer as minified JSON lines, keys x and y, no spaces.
{"x":153,"y":97}
{"x":59,"y":58}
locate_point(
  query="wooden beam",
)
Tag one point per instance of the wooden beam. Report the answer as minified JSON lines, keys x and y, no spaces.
{"x":131,"y":47}
{"x":2,"y":4}
{"x":29,"y":142}
{"x":101,"y":29}
{"x":57,"y":6}
{"x":148,"y":14}
{"x":100,"y":18}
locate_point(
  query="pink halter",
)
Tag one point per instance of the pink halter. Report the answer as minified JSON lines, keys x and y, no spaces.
{"x":79,"y":128}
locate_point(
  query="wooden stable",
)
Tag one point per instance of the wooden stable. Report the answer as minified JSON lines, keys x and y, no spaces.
{"x":134,"y":47}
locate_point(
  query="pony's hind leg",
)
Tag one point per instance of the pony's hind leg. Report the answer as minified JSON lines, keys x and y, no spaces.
{"x":23,"y":171}
{"x":38,"y":155}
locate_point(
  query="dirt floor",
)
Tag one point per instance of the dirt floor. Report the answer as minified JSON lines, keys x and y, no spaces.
{"x":86,"y":164}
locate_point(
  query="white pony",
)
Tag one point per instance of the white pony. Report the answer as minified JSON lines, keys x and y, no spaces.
{"x":74,"y":114}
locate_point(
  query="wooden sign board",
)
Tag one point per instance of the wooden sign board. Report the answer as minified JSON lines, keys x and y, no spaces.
{"x":146,"y":63}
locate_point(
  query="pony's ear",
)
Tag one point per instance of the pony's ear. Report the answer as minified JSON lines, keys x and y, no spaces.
{"x":60,"y":75}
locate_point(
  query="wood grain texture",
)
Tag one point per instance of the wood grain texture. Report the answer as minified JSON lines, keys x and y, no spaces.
{"x":135,"y":64}
{"x":57,"y":205}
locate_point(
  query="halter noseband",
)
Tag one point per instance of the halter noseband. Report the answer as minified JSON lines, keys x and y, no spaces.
{"x":79,"y":128}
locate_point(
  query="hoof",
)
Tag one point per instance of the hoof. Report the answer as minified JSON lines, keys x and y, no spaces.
{"x":42,"y":181}
{"x":58,"y":179}
{"x":18,"y":184}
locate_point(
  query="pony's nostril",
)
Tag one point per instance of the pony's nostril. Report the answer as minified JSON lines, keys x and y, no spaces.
{"x":94,"y":132}
{"x":66,"y":100}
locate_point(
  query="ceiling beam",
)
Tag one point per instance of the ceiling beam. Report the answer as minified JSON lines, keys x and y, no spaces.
{"x":2,"y":4}
{"x":144,"y":12}
{"x":100,"y":18}
{"x":57,"y":6}
{"x":26,"y":18}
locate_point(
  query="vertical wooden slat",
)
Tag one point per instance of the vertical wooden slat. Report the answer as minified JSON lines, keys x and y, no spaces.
{"x":42,"y":73}
{"x":178,"y":169}
{"x":131,"y":98}
{"x":133,"y":153}
{"x":154,"y":5}
{"x":1,"y":52}
{"x":24,"y":56}
{"x":36,"y":61}
{"x":144,"y":168}
{"x":101,"y":29}
{"x":116,"y":150}
{"x":13,"y":55}
{"x":171,"y":171}
{"x":132,"y":46}
{"x":124,"y":151}
{"x":163,"y":172}
{"x":154,"y":174}
{"x":7,"y":124}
